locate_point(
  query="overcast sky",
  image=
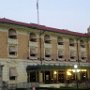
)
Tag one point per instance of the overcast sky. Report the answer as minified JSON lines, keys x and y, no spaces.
{"x":73,"y":15}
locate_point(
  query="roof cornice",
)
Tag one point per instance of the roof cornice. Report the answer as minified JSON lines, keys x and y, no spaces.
{"x":43,"y":27}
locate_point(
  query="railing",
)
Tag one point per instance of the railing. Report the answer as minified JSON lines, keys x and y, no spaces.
{"x":81,"y":84}
{"x":19,"y":85}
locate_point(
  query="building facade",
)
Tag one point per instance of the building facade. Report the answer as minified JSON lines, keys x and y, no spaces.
{"x":36,"y":53}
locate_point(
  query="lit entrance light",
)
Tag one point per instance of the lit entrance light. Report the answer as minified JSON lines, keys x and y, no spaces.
{"x":55,"y":72}
{"x":55,"y":76}
{"x":75,"y":66}
{"x":69,"y":73}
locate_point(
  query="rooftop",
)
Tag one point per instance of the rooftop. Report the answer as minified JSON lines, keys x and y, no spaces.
{"x":43,"y":27}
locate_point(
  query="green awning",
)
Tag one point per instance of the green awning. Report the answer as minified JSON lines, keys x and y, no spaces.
{"x":51,"y":67}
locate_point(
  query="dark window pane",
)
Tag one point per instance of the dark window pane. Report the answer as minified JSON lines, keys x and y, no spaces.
{"x":12,"y":77}
{"x":47,"y":55}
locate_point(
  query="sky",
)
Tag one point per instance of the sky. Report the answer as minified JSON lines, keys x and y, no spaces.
{"x":73,"y":15}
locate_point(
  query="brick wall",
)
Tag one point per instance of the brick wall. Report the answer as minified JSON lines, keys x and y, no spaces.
{"x":3,"y":45}
{"x":23,"y":49}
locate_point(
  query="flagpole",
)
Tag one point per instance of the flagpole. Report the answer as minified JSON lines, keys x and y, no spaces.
{"x":37,"y":6}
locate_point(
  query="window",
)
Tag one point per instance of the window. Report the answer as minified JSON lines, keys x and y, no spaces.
{"x":83,"y":55}
{"x":60,"y":53}
{"x":47,"y":39}
{"x":31,"y":76}
{"x":12,"y":77}
{"x":12,"y":73}
{"x":32,"y":37}
{"x":60,"y":40}
{"x":71,"y":42}
{"x":47,"y":52}
{"x":13,"y":50}
{"x":47,"y":77}
{"x":83,"y":75}
{"x":33,"y":51}
{"x":72,"y":54}
{"x":82,"y":43}
{"x":12,"y":34}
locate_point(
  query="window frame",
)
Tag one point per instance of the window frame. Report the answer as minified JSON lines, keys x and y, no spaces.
{"x":10,"y":34}
{"x":46,"y":54}
{"x":47,"y":39}
{"x":60,"y":40}
{"x":32,"y":37}
{"x":33,"y":54}
{"x":16,"y":53}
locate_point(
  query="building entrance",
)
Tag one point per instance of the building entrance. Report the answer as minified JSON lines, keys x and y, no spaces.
{"x":61,"y":76}
{"x":32,"y":76}
{"x":47,"y":77}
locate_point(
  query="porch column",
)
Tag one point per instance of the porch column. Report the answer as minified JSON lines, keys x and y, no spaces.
{"x":78,"y":76}
{"x":88,"y":74}
{"x":40,"y":77}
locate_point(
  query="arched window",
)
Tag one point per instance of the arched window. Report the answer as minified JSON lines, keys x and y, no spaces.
{"x":82,"y":43}
{"x":47,"y":39}
{"x":12,"y":34}
{"x":71,"y":42}
{"x":32,"y":37}
{"x":60,"y":40}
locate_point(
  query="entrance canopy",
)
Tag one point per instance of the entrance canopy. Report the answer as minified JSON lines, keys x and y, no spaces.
{"x":49,"y":67}
{"x":44,"y":67}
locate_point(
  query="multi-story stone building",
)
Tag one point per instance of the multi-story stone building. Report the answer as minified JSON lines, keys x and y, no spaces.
{"x":37,"y":53}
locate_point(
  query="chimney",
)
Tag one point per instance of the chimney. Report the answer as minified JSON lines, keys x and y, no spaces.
{"x":88,"y":29}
